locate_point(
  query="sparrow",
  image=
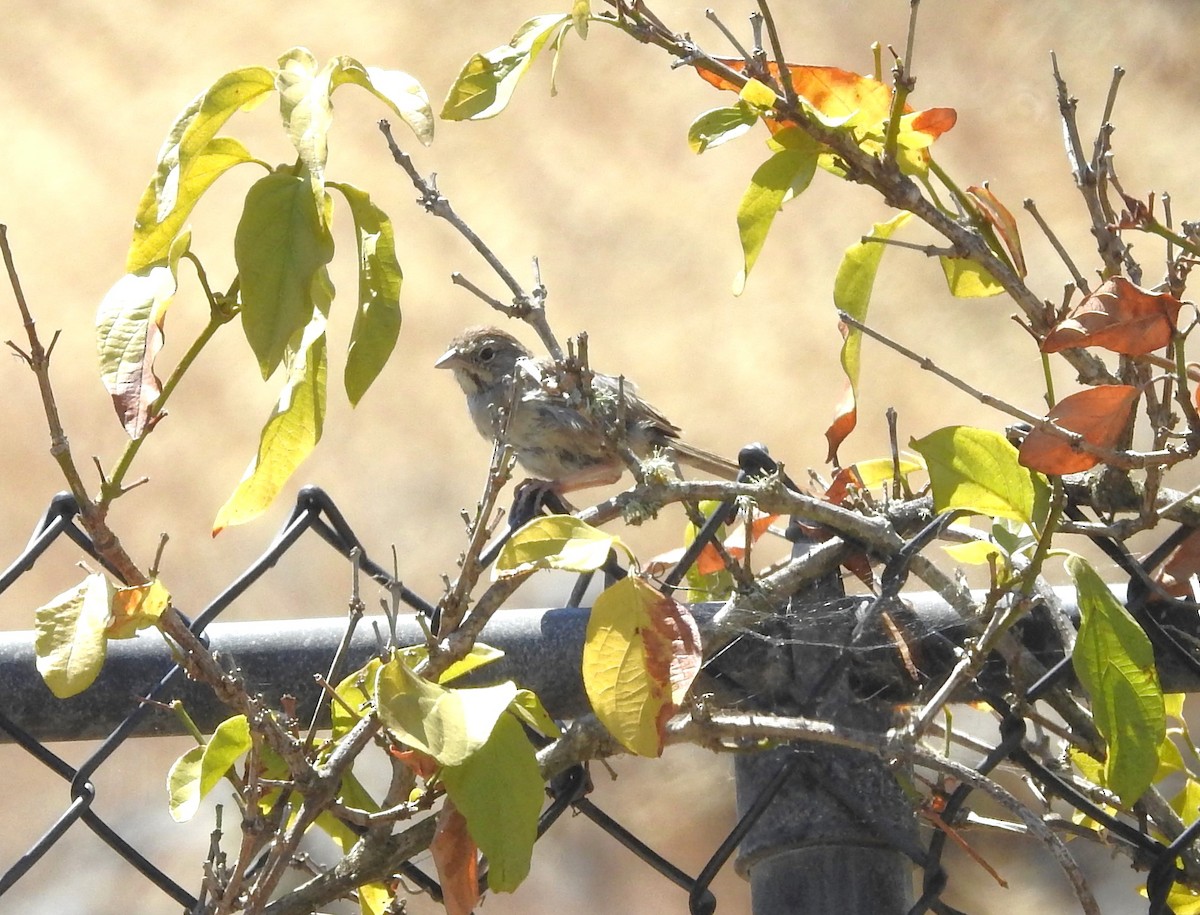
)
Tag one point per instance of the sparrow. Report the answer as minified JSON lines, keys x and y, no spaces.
{"x":558,"y":436}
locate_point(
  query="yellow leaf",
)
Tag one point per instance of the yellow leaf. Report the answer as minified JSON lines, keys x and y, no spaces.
{"x":555,"y":542}
{"x":291,"y":432}
{"x":641,"y":654}
{"x":71,"y":644}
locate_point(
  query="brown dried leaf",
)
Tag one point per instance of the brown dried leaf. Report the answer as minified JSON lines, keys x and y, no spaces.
{"x":1099,"y":414}
{"x":1118,"y":317}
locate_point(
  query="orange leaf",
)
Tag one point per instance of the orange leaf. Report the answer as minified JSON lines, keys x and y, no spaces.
{"x":1099,"y":414}
{"x":422,"y":764}
{"x":710,"y":561}
{"x":845,"y":418}
{"x":455,"y":856}
{"x":1119,"y":317}
{"x":844,"y":482}
{"x":998,"y":215}
{"x":838,"y":93}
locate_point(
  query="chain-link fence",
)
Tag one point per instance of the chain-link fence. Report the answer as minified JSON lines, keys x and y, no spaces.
{"x":813,"y":817}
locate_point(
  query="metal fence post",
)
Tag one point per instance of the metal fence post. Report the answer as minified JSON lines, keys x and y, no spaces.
{"x":833,"y":835}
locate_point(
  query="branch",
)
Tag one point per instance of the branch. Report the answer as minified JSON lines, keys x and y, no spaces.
{"x":527,"y":306}
{"x":1124,"y":460}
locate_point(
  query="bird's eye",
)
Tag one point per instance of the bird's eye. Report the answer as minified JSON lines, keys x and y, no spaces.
{"x":486,"y":354}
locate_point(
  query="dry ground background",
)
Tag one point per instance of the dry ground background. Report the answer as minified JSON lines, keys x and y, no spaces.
{"x":638,"y":246}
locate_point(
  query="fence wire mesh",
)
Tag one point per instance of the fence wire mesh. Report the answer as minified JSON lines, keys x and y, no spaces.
{"x":315,"y":513}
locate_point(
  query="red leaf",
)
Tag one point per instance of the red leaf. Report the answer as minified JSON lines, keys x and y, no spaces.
{"x":1119,"y":317}
{"x":455,"y":856}
{"x":1099,"y":414}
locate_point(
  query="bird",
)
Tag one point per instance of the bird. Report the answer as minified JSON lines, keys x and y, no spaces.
{"x":556,"y":435}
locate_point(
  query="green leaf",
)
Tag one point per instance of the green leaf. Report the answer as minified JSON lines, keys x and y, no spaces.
{"x":581,"y":10}
{"x":129,"y":335}
{"x":852,"y":294}
{"x":1114,"y":661}
{"x":529,"y":709}
{"x":555,"y":542}
{"x":395,"y":88}
{"x":155,"y":228}
{"x":355,"y":691}
{"x":307,"y":112}
{"x":499,"y":791}
{"x":71,"y":642}
{"x":720,"y":125}
{"x":967,"y":279}
{"x":448,"y":724}
{"x":783,"y":176}
{"x":279,"y":246}
{"x":201,"y":768}
{"x":377,"y":320}
{"x":976,"y":470}
{"x":486,"y":84}
{"x":290,"y":433}
{"x":190,"y":161}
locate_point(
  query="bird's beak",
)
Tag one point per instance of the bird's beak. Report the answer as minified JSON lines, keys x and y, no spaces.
{"x":448,"y":359}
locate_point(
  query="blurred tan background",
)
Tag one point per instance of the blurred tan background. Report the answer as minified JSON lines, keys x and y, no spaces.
{"x":638,"y":246}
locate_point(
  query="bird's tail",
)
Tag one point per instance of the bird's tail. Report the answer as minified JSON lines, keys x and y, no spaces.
{"x":704,"y":461}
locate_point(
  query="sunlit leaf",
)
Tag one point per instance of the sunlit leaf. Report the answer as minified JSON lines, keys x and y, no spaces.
{"x":279,"y":246}
{"x":968,"y":280}
{"x":395,"y":88}
{"x":581,"y":10}
{"x":852,"y":294}
{"x":641,"y":653}
{"x":377,"y":320}
{"x":134,"y":609}
{"x":720,"y":125}
{"x":201,"y":768}
{"x":1114,"y":661}
{"x":556,"y":542}
{"x":154,"y":230}
{"x":783,"y":176}
{"x":1100,"y":414}
{"x":191,"y":160}
{"x":290,"y":434}
{"x":448,"y":724}
{"x":486,"y":84}
{"x":129,"y":336}
{"x":307,"y":112}
{"x":499,"y":790}
{"x":1001,"y":219}
{"x":977,"y":552}
{"x":529,"y":709}
{"x":1119,"y":317}
{"x":855,"y":104}
{"x":977,"y":470}
{"x":71,"y":643}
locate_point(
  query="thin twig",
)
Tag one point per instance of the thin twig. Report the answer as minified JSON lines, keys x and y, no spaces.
{"x":1080,"y":282}
{"x":1125,"y":460}
{"x":785,"y":74}
{"x":528,"y":306}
